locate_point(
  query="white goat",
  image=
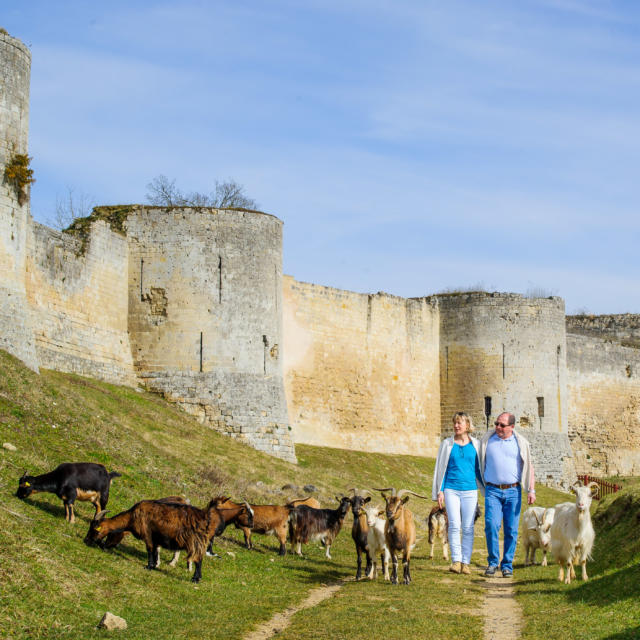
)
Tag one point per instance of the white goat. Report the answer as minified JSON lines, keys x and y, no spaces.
{"x":572,"y":533}
{"x":376,"y":541}
{"x":536,"y":524}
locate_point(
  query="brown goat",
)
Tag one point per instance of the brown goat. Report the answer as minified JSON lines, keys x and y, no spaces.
{"x":172,"y":526}
{"x":399,"y":530}
{"x":309,"y":502}
{"x":267,"y":519}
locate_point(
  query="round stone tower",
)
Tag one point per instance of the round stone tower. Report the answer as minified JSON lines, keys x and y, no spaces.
{"x":503,"y":352}
{"x":205,"y":317}
{"x":16,"y":334}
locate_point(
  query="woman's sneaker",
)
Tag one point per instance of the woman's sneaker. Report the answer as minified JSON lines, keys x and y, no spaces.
{"x":465,"y":569}
{"x":455,"y":567}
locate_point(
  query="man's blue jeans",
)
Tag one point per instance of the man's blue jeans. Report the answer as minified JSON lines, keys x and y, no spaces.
{"x":501,"y":506}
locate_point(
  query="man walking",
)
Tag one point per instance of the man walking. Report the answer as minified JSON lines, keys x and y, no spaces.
{"x":507,"y":469}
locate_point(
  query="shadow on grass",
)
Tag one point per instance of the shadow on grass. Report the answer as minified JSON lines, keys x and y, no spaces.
{"x":627,"y":634}
{"x":613,"y":587}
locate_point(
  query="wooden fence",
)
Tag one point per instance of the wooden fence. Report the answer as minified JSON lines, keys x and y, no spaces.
{"x":606,"y":488}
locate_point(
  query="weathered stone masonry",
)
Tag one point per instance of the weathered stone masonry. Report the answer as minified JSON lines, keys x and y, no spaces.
{"x":192,"y":303}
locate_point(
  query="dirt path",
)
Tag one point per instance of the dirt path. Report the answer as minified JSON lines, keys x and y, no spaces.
{"x":502,"y":614}
{"x":280,"y":621}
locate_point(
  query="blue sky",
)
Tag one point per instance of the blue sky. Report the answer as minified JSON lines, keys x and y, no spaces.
{"x":408,"y":146}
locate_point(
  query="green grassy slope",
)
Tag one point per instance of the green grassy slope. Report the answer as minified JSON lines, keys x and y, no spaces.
{"x":53,"y":586}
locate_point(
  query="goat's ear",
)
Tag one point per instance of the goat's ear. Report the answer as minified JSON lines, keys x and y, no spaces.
{"x":595,"y":488}
{"x":382,"y":512}
{"x":338,"y":498}
{"x":405,"y":500}
{"x":367,"y":499}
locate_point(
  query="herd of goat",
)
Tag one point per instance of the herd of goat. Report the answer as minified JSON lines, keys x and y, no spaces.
{"x":174,"y":524}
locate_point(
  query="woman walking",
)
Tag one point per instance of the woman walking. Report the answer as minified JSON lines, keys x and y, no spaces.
{"x":456,"y":480}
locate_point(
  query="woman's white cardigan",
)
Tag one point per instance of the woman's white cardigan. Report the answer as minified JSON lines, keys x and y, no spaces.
{"x":442,"y":460}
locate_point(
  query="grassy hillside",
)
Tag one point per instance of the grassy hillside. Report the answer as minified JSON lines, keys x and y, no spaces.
{"x":53,"y":586}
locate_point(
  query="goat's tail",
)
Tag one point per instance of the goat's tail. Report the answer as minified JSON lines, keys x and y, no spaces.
{"x":114,"y":474}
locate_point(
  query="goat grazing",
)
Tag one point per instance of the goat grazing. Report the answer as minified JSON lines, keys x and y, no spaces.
{"x":267,"y":519}
{"x":399,"y":530}
{"x":536,"y":525}
{"x":438,"y":524}
{"x":572,"y":533}
{"x":169,"y":525}
{"x":376,"y":541}
{"x":307,"y":524}
{"x":71,"y":481}
{"x":359,"y":530}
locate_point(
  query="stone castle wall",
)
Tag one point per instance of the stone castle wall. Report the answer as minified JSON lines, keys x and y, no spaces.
{"x":622,"y":327}
{"x":361,"y":371}
{"x":506,"y":347}
{"x":205,"y":317}
{"x":16,"y":334}
{"x":78,"y":302}
{"x":603,"y":381}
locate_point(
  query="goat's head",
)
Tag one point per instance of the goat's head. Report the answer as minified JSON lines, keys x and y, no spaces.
{"x":25,"y":488}
{"x":395,"y":502}
{"x":344,"y":505}
{"x":246,"y":515}
{"x":544,"y":527}
{"x":584,"y":495}
{"x":96,"y":531}
{"x":358,"y":501}
{"x":373,"y":512}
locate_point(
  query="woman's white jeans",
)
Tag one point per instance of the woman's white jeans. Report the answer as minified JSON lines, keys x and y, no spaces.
{"x":461,"y":511}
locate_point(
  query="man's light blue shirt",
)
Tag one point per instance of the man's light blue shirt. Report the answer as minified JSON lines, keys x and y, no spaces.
{"x":503,"y":462}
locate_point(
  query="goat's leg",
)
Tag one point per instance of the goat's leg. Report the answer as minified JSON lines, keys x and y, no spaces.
{"x":583,"y":564}
{"x":527,"y":549}
{"x":433,"y":544}
{"x":369,"y":561}
{"x":157,"y":557}
{"x":573,"y":570}
{"x":152,"y":554}
{"x":327,"y":552}
{"x":569,"y":571}
{"x":299,"y":548}
{"x":561,"y":573}
{"x":174,"y":561}
{"x":210,"y":547}
{"x":445,"y":549}
{"x":406,"y":573}
{"x":394,"y":568}
{"x":197,"y":574}
{"x":385,"y":563}
{"x":544,"y":558}
{"x":359,"y":563}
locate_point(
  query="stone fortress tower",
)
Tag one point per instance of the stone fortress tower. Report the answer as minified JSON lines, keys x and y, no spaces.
{"x":16,"y":335}
{"x":205,"y":317}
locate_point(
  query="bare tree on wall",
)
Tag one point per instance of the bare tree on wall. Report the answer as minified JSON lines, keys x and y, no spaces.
{"x":70,"y":206}
{"x":227,"y":194}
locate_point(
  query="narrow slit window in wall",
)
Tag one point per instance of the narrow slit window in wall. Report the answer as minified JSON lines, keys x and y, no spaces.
{"x":265,"y":342}
{"x":219,"y":278}
{"x":446,"y":364}
{"x":141,"y":271}
{"x":540,"y":400}
{"x":201,"y":352}
{"x":503,"y":362}
{"x":487,"y":409}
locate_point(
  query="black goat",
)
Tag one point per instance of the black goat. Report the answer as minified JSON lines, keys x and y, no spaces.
{"x":71,"y":481}
{"x":307,"y":524}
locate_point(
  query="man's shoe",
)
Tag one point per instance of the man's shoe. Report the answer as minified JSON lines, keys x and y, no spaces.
{"x":465,"y":569}
{"x":507,"y":573}
{"x":490,"y":571}
{"x":455,"y":567}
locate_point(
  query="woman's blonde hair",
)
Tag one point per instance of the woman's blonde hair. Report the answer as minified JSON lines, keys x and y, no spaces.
{"x":465,"y":417}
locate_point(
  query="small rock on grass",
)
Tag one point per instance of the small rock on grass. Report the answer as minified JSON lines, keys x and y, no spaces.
{"x":9,"y":447}
{"x":112,"y":622}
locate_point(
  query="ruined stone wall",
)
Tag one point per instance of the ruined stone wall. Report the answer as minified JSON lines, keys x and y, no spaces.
{"x":509,"y":348}
{"x":361,"y":371}
{"x":16,"y":334}
{"x":604,"y":399}
{"x":76,"y":289}
{"x":623,"y":328}
{"x":205,"y":309}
